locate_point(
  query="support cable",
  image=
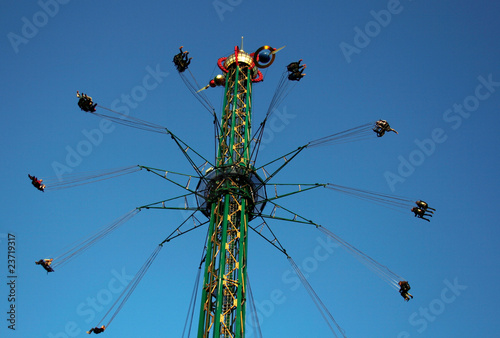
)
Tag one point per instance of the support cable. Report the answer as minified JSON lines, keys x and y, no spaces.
{"x":192,"y":304}
{"x":130,"y":121}
{"x":361,"y":132}
{"x":281,"y":92}
{"x":325,"y":313}
{"x":190,"y":315}
{"x":193,"y":87}
{"x":283,"y":89}
{"x":81,"y":246}
{"x":394,"y":202}
{"x":381,"y":270}
{"x":382,"y":199}
{"x":127,"y":292}
{"x":353,"y":134}
{"x":73,"y":180}
{"x":253,"y":310}
{"x":144,"y":125}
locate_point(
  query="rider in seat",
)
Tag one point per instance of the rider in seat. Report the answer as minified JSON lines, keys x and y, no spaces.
{"x":85,"y":102}
{"x":181,"y":60}
{"x":404,"y":288}
{"x":381,"y":126}
{"x":295,"y":71}
{"x":296,"y":67}
{"x":46,"y":264}
{"x":424,"y":206}
{"x":97,"y":330}
{"x":420,"y":213}
{"x":296,"y":76}
{"x":37,"y":183}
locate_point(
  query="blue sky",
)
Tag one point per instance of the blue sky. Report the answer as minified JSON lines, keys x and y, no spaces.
{"x":432,"y":69}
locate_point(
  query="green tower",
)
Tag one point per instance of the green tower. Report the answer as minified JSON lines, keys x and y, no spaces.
{"x":230,"y":192}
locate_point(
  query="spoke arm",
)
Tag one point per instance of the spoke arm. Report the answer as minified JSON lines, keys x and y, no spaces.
{"x":177,"y":232}
{"x":294,"y":153}
{"x":164,"y":176}
{"x":296,"y":218}
{"x":162,"y":203}
{"x":163,"y":170}
{"x":184,"y":147}
{"x":272,"y":242}
{"x":289,"y":220}
{"x":300,"y":189}
{"x":172,"y":208}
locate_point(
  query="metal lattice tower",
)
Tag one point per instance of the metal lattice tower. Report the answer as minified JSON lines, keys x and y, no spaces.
{"x":230,"y":195}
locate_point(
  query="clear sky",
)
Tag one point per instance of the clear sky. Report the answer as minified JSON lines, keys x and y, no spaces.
{"x":431,"y":68}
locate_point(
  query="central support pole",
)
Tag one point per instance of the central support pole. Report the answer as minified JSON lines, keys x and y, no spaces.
{"x":230,"y":197}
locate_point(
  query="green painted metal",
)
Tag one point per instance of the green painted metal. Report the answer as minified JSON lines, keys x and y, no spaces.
{"x":223,"y":299}
{"x":233,"y":117}
{"x":240,"y":320}
{"x":222,"y":266}
{"x":204,"y":295}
